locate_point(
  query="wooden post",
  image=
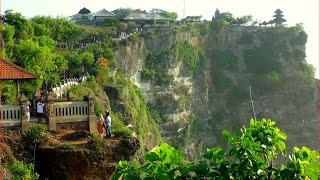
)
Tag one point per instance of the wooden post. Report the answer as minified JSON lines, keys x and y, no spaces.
{"x":18,"y":88}
{"x":0,"y":93}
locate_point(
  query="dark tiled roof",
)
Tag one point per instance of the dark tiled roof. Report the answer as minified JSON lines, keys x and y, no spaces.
{"x":84,"y":11}
{"x":10,"y":71}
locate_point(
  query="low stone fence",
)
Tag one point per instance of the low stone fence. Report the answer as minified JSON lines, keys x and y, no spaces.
{"x":71,"y":115}
{"x":10,"y":115}
{"x":77,"y":115}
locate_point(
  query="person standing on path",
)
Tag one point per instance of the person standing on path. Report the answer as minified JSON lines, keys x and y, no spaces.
{"x":40,"y":110}
{"x":28,"y":110}
{"x":100,"y":125}
{"x":107,"y":123}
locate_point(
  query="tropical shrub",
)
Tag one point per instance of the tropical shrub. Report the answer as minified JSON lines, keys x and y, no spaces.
{"x":118,"y":128}
{"x":36,"y":134}
{"x":18,"y":170}
{"x":252,"y":155}
{"x":95,"y":142}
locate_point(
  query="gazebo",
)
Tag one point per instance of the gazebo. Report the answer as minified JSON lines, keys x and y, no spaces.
{"x":10,"y":71}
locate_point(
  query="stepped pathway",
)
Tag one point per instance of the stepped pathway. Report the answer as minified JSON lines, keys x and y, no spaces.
{"x":66,"y":84}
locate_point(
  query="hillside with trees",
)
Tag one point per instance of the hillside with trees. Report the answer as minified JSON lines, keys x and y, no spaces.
{"x":182,"y":84}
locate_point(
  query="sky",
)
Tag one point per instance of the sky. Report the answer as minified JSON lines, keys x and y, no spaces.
{"x":295,"y":11}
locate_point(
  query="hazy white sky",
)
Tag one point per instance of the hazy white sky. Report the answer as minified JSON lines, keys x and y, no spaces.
{"x":295,"y":11}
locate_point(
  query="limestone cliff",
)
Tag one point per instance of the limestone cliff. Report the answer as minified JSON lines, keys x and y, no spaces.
{"x":195,"y":80}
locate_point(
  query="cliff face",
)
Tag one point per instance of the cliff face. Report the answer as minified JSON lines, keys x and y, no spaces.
{"x":196,"y":82}
{"x":83,"y":163}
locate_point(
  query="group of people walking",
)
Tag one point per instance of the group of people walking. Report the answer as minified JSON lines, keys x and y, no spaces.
{"x":104,"y":122}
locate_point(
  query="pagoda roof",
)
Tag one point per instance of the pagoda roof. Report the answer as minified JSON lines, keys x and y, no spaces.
{"x":278,"y":11}
{"x":84,"y":11}
{"x":10,"y":71}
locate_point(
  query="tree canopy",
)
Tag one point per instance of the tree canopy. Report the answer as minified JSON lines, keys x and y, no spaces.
{"x":170,"y":15}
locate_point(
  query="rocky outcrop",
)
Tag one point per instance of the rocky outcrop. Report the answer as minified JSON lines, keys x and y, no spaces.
{"x":83,"y":163}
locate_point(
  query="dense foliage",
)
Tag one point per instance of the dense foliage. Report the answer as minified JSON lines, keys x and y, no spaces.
{"x":18,"y":170}
{"x":36,"y":134}
{"x":53,"y":48}
{"x":95,"y":142}
{"x":252,"y":155}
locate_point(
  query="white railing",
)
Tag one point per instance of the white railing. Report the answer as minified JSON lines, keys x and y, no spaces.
{"x":64,"y":85}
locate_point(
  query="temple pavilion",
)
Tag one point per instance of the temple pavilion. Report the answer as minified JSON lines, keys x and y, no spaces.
{"x":10,"y":71}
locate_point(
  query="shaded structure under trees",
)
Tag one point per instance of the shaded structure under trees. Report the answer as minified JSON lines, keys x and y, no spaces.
{"x":10,"y":71}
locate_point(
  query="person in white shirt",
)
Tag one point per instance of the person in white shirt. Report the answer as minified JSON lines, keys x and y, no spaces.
{"x":40,"y":110}
{"x":28,"y":110}
{"x":107,"y":124}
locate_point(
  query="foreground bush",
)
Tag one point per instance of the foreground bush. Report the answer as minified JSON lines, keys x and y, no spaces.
{"x":95,"y":142}
{"x":18,"y":170}
{"x":36,"y":134}
{"x":251,"y":156}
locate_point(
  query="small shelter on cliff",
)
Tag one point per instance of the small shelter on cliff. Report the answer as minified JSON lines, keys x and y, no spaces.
{"x":84,"y":17}
{"x":10,"y":71}
{"x":102,"y":15}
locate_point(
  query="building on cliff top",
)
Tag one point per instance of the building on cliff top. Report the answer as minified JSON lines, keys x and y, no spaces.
{"x":143,"y":17}
{"x":85,"y":17}
{"x":102,"y":15}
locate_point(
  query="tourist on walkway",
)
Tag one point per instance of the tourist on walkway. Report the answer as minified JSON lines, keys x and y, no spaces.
{"x":28,"y":110}
{"x":40,"y":110}
{"x":100,"y":125}
{"x":107,"y":124}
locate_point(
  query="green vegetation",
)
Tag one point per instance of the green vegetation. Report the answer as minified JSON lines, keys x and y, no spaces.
{"x":118,"y":128}
{"x":137,"y":109}
{"x":170,"y":15}
{"x":95,"y":142}
{"x":188,"y":53}
{"x":36,"y":134}
{"x":18,"y":170}
{"x":66,"y":147}
{"x":10,"y":93}
{"x":251,"y":156}
{"x":53,"y":48}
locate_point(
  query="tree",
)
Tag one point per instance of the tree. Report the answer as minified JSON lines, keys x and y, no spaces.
{"x":121,"y":13}
{"x":170,"y":15}
{"x":193,"y":18}
{"x":23,"y":28}
{"x":35,"y":135}
{"x":37,"y":59}
{"x":59,"y":29}
{"x":243,"y":20}
{"x":278,"y":17}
